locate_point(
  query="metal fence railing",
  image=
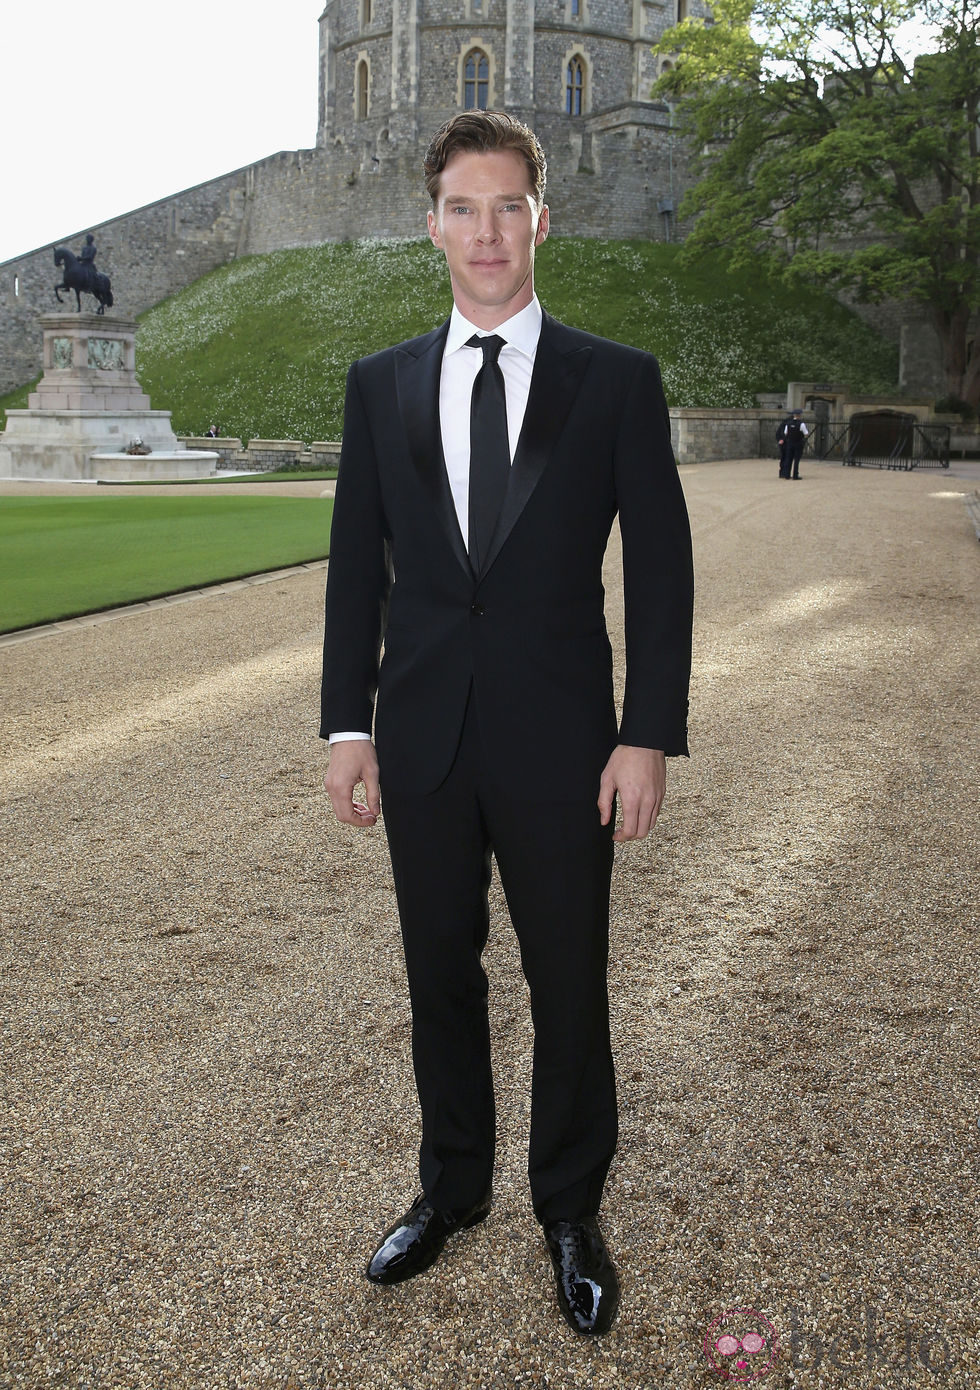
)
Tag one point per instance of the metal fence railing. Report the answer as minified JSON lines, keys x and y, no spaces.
{"x":882,"y":439}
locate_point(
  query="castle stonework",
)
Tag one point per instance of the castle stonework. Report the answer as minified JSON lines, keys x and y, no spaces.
{"x":579,"y":72}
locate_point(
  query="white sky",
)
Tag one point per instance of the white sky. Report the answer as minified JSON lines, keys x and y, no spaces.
{"x":158,"y":96}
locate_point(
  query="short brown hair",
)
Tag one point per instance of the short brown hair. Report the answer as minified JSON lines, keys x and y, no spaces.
{"x":482,"y":132}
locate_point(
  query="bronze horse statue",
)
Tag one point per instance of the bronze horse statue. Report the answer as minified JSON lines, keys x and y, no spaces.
{"x":83,"y":279}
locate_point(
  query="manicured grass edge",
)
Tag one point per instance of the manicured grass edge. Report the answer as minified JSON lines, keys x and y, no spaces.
{"x":162,"y":597}
{"x":291,"y":475}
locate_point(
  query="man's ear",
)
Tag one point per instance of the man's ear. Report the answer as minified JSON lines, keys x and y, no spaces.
{"x":544,"y":223}
{"x":433,"y":226}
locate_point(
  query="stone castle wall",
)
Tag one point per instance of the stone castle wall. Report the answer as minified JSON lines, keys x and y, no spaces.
{"x":148,"y":254}
{"x":611,"y":169}
{"x":304,"y":197}
{"x":615,"y":171}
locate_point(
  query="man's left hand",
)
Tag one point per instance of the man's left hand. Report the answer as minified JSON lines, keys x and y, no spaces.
{"x":639,"y":776}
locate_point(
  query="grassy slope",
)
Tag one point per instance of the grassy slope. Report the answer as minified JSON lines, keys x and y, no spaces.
{"x":60,"y":556}
{"x":261,"y":346}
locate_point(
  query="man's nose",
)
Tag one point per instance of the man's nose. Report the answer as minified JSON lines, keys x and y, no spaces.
{"x":488,"y":229}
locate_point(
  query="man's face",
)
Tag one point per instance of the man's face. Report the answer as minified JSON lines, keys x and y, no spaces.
{"x":488,"y":224}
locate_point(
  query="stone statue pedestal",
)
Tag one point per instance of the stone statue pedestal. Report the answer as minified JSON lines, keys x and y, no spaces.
{"x":88,"y":408}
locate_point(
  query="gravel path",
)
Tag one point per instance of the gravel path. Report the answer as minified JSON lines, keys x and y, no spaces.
{"x":208,"y":1110}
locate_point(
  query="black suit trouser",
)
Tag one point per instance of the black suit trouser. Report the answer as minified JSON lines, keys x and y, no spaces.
{"x":789,"y":458}
{"x":555,"y":863}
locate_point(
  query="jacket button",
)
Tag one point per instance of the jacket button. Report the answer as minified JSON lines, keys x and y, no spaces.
{"x":477,"y":610}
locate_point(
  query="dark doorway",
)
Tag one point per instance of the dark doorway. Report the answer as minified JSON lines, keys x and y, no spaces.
{"x":882,"y":436}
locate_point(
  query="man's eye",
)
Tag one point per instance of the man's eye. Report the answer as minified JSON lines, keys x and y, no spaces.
{"x":459,"y":208}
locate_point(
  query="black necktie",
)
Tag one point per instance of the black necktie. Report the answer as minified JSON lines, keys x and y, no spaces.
{"x":489,"y":449}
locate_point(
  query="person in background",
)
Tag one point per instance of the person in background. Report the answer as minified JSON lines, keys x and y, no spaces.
{"x":791,"y":438}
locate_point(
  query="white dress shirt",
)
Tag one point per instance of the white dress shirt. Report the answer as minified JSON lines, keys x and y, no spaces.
{"x":460,"y":365}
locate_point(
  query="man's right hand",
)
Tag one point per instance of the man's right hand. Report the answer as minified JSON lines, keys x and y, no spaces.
{"x":353,"y":761}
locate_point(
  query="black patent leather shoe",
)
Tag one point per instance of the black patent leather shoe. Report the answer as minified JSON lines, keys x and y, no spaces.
{"x":588,"y":1285}
{"x":417,"y":1241}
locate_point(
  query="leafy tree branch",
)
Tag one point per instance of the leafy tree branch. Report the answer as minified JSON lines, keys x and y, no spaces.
{"x":836,"y":143}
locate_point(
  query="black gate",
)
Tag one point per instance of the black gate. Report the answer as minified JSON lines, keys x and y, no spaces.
{"x":873,"y":439}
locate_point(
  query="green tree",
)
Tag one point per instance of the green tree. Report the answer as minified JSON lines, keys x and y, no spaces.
{"x":829,"y":153}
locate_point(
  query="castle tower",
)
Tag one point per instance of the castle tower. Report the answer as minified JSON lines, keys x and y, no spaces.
{"x":579,"y":71}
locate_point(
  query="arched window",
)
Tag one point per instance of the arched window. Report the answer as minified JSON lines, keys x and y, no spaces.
{"x":476,"y":80}
{"x":575,"y":86}
{"x":367,"y":15}
{"x":361,"y":91}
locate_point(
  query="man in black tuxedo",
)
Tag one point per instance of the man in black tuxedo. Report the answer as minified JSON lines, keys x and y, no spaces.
{"x":483,"y":466}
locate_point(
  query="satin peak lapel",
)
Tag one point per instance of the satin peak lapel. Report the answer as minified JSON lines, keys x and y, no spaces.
{"x":554,"y":386}
{"x":417,"y":374}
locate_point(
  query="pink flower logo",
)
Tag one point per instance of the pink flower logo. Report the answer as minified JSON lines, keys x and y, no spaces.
{"x":741,"y":1345}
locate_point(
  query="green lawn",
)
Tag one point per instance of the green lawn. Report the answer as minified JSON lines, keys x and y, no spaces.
{"x":62,"y":556}
{"x":261,"y":346}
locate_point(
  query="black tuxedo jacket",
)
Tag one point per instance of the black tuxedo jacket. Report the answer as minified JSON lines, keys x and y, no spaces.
{"x":527,"y":636}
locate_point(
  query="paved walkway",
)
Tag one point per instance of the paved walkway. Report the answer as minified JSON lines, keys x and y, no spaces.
{"x":967,"y":469}
{"x":207,"y":1112}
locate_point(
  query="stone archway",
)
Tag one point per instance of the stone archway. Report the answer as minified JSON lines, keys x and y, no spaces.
{"x":823,"y":413}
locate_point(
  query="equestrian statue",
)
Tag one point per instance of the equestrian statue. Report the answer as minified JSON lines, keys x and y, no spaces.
{"x":80,"y":275}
